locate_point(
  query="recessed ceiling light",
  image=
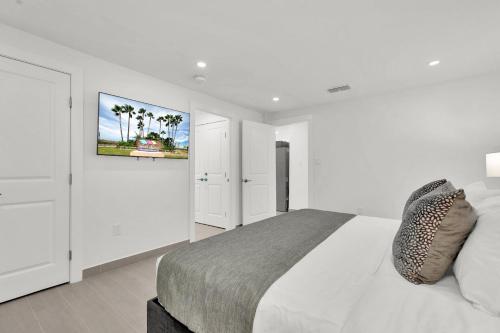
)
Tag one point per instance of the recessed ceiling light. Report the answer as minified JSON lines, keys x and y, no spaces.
{"x":434,"y":63}
{"x":276,"y":99}
{"x":201,"y":64}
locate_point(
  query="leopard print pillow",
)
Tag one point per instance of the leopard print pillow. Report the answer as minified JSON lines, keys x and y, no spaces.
{"x":427,"y":188}
{"x":432,"y":232}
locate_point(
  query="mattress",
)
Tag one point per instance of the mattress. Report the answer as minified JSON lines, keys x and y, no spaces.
{"x":348,"y":284}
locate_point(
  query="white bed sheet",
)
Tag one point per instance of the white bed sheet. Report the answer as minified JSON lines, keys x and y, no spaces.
{"x":391,"y":304}
{"x":317,"y":293}
{"x":348,"y":284}
{"x":158,"y":264}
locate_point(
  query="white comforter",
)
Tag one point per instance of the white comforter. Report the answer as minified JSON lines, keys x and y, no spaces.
{"x":348,"y":284}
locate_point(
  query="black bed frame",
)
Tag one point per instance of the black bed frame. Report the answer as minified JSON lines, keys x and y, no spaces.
{"x":160,"y":321}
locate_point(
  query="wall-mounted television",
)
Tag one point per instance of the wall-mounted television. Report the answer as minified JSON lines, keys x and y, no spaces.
{"x":131,"y":128}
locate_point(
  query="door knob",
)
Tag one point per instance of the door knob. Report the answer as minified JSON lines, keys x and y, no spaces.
{"x":206,"y":179}
{"x":246,"y":180}
{"x":200,"y":179}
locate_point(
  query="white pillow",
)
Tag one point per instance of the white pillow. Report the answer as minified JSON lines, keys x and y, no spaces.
{"x":491,"y":203}
{"x":477,"y":267}
{"x":476,"y":192}
{"x":476,"y":186}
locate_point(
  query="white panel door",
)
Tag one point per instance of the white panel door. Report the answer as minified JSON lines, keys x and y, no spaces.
{"x":211,"y":169}
{"x":217,"y":165}
{"x":34,"y":174}
{"x":258,"y":171}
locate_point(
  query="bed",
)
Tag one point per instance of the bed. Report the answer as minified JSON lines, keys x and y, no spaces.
{"x":343,"y":280}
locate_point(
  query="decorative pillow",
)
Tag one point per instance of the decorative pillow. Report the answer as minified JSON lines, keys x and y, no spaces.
{"x":477,"y":267}
{"x":427,"y":188}
{"x":433,"y":230}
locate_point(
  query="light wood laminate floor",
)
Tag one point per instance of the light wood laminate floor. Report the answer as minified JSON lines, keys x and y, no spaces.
{"x":110,"y":302}
{"x":205,"y":231}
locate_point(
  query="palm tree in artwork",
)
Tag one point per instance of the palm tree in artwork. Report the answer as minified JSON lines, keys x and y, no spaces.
{"x":128,"y":109}
{"x":118,"y":112}
{"x":160,"y":119}
{"x":149,"y":115}
{"x":168,"y":124}
{"x":140,"y":117}
{"x":140,"y":126}
{"x":177,"y":119}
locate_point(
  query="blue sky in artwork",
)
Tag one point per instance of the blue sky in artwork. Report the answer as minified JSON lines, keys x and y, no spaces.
{"x":109,"y":123}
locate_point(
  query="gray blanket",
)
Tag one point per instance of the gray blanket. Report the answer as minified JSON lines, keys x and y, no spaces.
{"x":215,"y":285}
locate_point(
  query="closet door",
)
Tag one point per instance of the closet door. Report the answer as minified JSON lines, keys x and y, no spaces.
{"x":34,"y":178}
{"x":211,"y":171}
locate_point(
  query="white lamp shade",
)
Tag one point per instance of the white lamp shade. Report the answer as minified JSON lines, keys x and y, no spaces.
{"x":493,"y":165}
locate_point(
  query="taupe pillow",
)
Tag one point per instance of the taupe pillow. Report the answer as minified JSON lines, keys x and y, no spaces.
{"x":427,"y":188}
{"x":433,"y":230}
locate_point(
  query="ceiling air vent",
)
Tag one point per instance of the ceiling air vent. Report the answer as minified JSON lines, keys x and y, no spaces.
{"x":339,"y":88}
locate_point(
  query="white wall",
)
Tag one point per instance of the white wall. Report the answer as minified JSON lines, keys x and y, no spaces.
{"x":149,"y":199}
{"x":297,"y":135}
{"x":368,"y":154}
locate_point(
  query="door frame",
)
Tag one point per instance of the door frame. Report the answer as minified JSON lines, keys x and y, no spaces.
{"x":299,"y":119}
{"x":76,"y":148}
{"x":232,"y":219}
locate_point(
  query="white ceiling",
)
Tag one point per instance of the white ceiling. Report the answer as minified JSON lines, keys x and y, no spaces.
{"x":295,"y":49}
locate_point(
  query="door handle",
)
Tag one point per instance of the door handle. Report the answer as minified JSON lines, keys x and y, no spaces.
{"x":202,"y":179}
{"x":246,"y":180}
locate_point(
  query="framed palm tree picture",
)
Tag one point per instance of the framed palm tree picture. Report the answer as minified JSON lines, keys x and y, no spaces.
{"x":127,"y":127}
